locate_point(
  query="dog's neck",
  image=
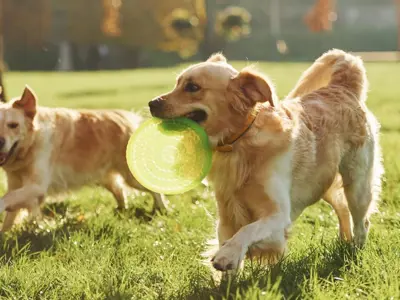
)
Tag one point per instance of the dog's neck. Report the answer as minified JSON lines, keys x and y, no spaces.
{"x":227,"y":144}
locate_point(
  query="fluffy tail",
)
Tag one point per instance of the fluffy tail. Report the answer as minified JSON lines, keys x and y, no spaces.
{"x":334,"y":68}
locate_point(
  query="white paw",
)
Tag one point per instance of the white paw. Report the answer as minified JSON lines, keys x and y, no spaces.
{"x":359,"y":238}
{"x":228,"y":257}
{"x":361,"y":233}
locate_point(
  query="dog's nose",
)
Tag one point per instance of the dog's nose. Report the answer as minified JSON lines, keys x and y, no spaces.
{"x":2,"y":142}
{"x":156,"y":106}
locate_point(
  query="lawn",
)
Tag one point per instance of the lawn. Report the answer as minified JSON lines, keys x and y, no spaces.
{"x":85,"y":250}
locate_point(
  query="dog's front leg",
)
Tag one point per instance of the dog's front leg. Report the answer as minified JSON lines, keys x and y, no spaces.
{"x":13,"y":183}
{"x":29,"y":196}
{"x":268,"y":230}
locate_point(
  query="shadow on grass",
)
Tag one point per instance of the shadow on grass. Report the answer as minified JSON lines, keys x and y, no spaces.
{"x":288,"y":276}
{"x":33,"y":240}
{"x":88,"y":93}
{"x":61,"y":220}
{"x":33,"y":237}
{"x":139,"y":213}
{"x":106,"y":92}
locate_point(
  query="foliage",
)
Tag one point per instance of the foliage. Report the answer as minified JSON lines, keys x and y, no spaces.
{"x":83,"y":21}
{"x":111,"y":18}
{"x":182,"y":27}
{"x":158,"y":24}
{"x":321,"y":15}
{"x":135,"y":23}
{"x":27,"y":23}
{"x":233,"y":23}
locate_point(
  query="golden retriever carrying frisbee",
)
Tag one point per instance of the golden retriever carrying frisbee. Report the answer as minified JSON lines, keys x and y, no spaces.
{"x":274,"y":158}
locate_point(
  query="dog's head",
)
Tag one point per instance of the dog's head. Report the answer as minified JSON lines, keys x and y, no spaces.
{"x":215,"y":95}
{"x":16,"y":122}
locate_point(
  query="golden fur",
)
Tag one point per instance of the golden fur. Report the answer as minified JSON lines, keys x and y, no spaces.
{"x":60,"y":149}
{"x":320,"y":142}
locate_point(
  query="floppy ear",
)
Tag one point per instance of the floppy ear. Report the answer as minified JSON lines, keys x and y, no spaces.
{"x":217,"y":57}
{"x":27,"y":102}
{"x":254,"y":87}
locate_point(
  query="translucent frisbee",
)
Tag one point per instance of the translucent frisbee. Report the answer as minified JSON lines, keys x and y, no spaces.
{"x":169,"y":156}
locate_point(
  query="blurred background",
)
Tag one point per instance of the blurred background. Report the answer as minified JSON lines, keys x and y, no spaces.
{"x":75,"y":35}
{"x":117,"y":34}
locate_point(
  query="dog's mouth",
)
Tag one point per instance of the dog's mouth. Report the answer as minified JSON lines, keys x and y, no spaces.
{"x":197,"y":115}
{"x":4,"y":156}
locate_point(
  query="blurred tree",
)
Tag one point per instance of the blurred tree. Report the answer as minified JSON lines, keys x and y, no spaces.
{"x":210,"y":43}
{"x":397,"y":3}
{"x":173,"y":25}
{"x":29,"y":22}
{"x":2,"y":67}
{"x":111,"y":19}
{"x":152,"y":23}
{"x":233,"y":23}
{"x":83,"y":30}
{"x":321,"y":16}
{"x":224,"y":24}
{"x":169,"y":25}
{"x":84,"y":21}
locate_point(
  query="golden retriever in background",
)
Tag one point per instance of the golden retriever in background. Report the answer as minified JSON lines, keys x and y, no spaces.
{"x":51,"y":150}
{"x":274,"y":158}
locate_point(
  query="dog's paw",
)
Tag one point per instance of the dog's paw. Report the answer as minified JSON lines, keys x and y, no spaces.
{"x":228,"y":257}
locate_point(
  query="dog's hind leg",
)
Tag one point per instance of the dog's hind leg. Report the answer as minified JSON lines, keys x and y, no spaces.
{"x":160,"y":201}
{"x":336,"y":198}
{"x":115,"y":184}
{"x":359,"y":198}
{"x":361,"y":178}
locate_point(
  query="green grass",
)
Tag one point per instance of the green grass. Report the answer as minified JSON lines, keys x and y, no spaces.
{"x":85,"y":250}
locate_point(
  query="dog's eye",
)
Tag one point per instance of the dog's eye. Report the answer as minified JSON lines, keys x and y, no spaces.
{"x":12,"y":125}
{"x":191,"y":87}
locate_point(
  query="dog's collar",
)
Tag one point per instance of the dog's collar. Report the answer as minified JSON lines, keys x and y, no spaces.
{"x":227,"y":145}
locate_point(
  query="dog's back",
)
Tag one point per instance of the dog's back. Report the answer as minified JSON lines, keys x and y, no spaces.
{"x":85,"y":145}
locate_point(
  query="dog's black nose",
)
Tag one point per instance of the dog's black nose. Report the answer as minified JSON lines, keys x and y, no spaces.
{"x":156,"y":106}
{"x":2,"y":142}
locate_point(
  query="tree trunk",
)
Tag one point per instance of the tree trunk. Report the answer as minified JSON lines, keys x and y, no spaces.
{"x":211,"y":42}
{"x":397,"y":4}
{"x":93,"y":58}
{"x":2,"y":89}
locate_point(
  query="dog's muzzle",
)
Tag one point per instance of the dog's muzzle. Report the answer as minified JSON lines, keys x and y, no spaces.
{"x":156,"y":107}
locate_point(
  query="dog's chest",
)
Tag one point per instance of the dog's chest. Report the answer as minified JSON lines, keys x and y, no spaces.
{"x":229,"y":172}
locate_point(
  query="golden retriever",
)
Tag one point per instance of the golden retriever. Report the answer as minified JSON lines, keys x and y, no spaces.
{"x":51,"y":150}
{"x":274,"y":158}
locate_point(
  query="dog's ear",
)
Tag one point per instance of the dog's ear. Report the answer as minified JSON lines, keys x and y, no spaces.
{"x":254,"y":87}
{"x":27,"y":103}
{"x":217,"y":57}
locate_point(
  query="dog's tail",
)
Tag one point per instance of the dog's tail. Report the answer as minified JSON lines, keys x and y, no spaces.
{"x":334,"y":68}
